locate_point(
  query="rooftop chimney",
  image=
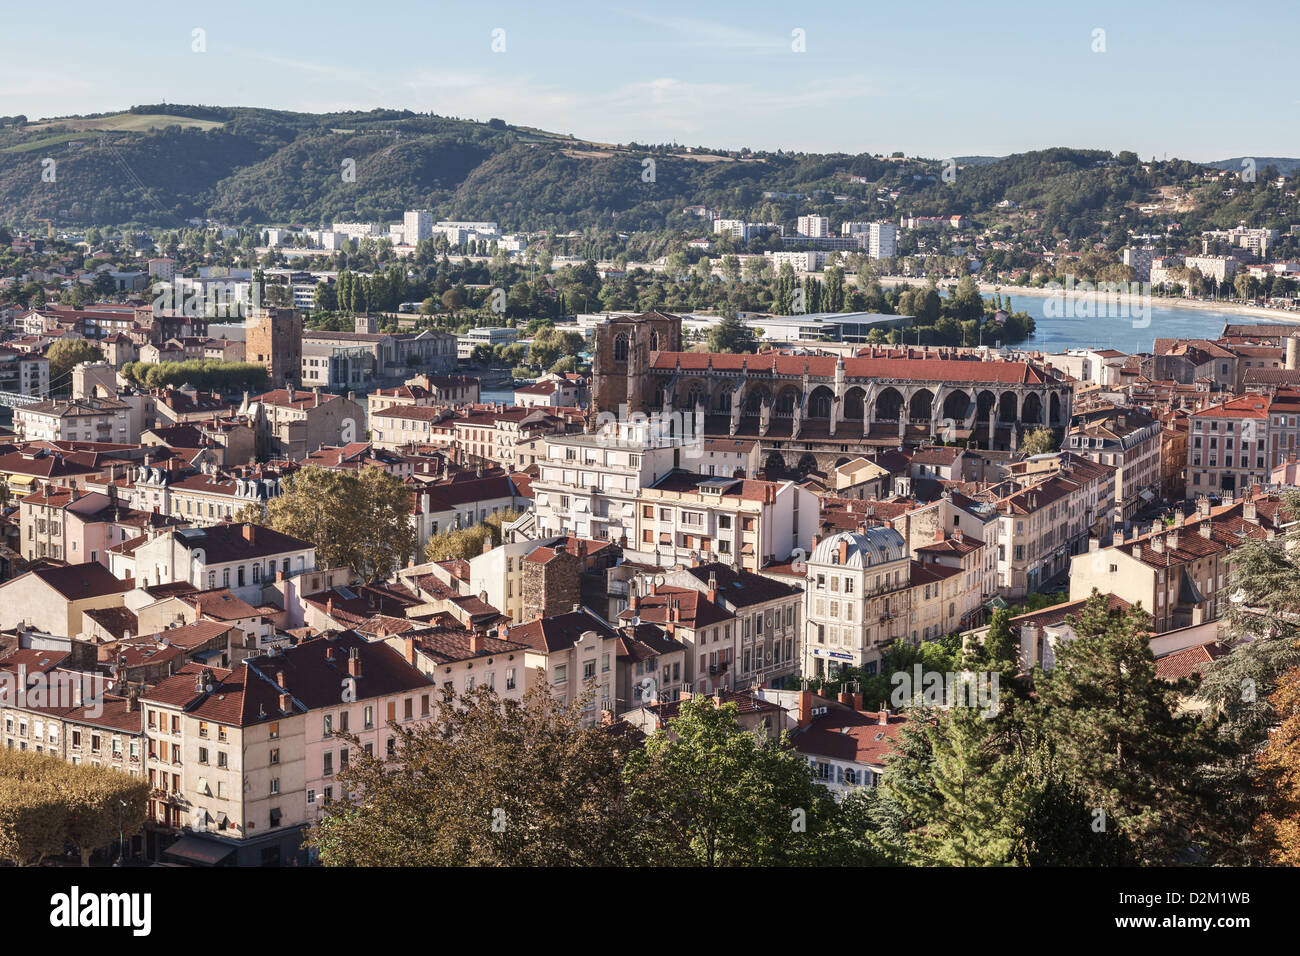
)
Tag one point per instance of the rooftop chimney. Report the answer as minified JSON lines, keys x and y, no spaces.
{"x":354,"y":662}
{"x":286,"y":703}
{"x":250,"y":532}
{"x":408,"y":649}
{"x":805,"y":708}
{"x":884,"y":718}
{"x":1206,"y":528}
{"x":476,"y":643}
{"x":1173,"y":539}
{"x":279,"y":678}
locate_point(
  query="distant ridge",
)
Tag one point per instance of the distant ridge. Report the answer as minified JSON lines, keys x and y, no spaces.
{"x":1285,"y":165}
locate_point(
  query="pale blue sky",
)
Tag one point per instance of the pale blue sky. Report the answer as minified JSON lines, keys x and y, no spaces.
{"x":1194,"y":79}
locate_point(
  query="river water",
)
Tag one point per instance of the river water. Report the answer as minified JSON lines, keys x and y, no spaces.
{"x":1126,"y":334}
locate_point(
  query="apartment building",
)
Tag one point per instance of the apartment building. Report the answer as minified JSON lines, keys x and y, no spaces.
{"x":740,"y":520}
{"x":588,"y":484}
{"x":110,"y":420}
{"x":707,"y":632}
{"x":242,"y":557}
{"x":770,"y":616}
{"x":1228,"y":447}
{"x":53,"y":599}
{"x":1176,"y":573}
{"x":291,"y":424}
{"x":1130,"y":440}
{"x":240,"y":761}
{"x":857,"y":600}
{"x":1041,"y":525}
{"x":24,"y":373}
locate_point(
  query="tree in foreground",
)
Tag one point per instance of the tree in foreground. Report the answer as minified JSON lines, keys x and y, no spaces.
{"x":485,"y":782}
{"x":710,"y":793}
{"x":362,"y":521}
{"x":1277,"y":829}
{"x":1239,"y":689}
{"x":1118,"y":736}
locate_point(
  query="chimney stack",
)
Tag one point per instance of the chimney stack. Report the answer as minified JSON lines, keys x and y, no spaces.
{"x":713,"y":588}
{"x":408,"y":650}
{"x":354,"y":662}
{"x":884,"y":718}
{"x":249,"y":532}
{"x":805,"y":707}
{"x":286,"y":703}
{"x":475,"y":642}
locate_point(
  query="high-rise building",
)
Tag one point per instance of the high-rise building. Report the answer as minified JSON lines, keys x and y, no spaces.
{"x":815,"y":227}
{"x":417,"y":224}
{"x":882,"y":241}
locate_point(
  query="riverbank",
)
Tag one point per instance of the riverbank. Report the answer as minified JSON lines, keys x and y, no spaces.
{"x":1157,"y":301}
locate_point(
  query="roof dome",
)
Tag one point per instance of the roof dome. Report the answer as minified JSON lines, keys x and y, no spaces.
{"x":867,"y":548}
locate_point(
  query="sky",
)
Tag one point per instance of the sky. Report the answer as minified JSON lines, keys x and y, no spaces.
{"x":1192,"y":79}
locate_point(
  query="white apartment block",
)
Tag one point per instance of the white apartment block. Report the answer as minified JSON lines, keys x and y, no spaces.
{"x":589,"y":485}
{"x":815,"y":227}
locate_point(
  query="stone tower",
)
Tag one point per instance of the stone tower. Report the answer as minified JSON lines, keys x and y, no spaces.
{"x":621,"y":362}
{"x":273,"y":339}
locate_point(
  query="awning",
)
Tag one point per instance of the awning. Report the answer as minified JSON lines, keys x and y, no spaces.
{"x":22,"y":479}
{"x":198,"y":851}
{"x":1147,"y":495}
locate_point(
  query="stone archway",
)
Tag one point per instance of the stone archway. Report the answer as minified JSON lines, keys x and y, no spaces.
{"x":889,"y":405}
{"x":807,"y":464}
{"x":1008,"y":407}
{"x":755,"y":398}
{"x":855,"y":404}
{"x":921,"y":405}
{"x":821,"y":403}
{"x":786,"y":401}
{"x":1031,"y":410}
{"x":956,"y":405}
{"x":1054,"y":409}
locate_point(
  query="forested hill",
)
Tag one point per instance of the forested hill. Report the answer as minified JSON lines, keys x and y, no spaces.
{"x":162,"y":164}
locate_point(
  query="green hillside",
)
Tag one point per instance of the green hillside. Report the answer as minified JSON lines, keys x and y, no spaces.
{"x":162,"y":164}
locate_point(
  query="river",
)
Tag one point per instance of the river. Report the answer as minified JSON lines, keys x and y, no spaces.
{"x":1129,"y":335}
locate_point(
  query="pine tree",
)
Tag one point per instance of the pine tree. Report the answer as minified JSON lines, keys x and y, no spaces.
{"x":1115,"y":729}
{"x":962,"y":818}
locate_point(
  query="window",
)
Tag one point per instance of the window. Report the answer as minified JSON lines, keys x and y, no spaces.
{"x":275,"y":788}
{"x":561,"y":673}
{"x":327,"y":767}
{"x":221,"y":758}
{"x":273,"y":731}
{"x":203,"y":755}
{"x":275,"y":755}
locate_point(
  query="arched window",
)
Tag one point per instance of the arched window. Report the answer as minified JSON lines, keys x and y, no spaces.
{"x":620,"y":347}
{"x":654,"y":340}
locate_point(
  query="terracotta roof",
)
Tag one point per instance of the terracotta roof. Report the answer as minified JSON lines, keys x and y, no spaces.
{"x":851,"y":736}
{"x":1189,"y":662}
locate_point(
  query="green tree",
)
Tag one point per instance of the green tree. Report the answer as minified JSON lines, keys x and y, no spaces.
{"x":361,"y":521}
{"x":451,"y":796}
{"x":731,"y":335}
{"x":1040,"y":441}
{"x":713,"y":794}
{"x":1118,"y":734}
{"x":66,"y":354}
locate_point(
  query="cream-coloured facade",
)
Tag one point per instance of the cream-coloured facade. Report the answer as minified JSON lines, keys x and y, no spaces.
{"x":857,"y":600}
